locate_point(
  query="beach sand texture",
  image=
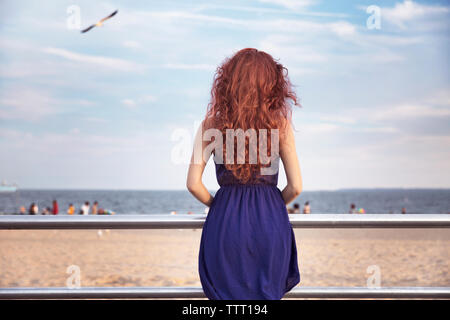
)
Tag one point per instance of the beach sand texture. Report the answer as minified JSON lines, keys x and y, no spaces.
{"x":326,"y":257}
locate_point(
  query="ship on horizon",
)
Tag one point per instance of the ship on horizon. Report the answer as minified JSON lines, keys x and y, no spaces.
{"x":7,"y":188}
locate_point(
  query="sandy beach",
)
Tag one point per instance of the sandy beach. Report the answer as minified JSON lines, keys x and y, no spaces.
{"x":339,"y":257}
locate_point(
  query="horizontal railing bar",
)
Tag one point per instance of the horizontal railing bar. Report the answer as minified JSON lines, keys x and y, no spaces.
{"x":152,"y":221}
{"x":197,"y":292}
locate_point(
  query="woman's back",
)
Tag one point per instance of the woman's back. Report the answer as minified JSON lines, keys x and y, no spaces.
{"x":226,"y":177}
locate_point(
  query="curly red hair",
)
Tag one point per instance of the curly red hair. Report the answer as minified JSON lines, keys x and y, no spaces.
{"x":250,"y":91}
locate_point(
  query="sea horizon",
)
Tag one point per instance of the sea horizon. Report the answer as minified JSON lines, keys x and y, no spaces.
{"x":123,"y":201}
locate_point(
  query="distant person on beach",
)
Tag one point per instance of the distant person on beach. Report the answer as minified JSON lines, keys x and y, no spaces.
{"x":306,"y":208}
{"x":403,"y":210}
{"x":295,"y":208}
{"x":85,"y":209}
{"x":22,"y":210}
{"x":33,"y":209}
{"x":352,"y":208}
{"x":105,"y":211}
{"x":251,"y":94}
{"x":46,"y":211}
{"x":71,"y":209}
{"x":94,"y":208}
{"x":55,"y":209}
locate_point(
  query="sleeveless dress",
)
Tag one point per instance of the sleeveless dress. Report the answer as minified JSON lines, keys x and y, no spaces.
{"x":247,"y":248}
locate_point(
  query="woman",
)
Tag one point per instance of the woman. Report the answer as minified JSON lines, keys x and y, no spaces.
{"x":33,"y":209}
{"x":306,"y":208}
{"x":71,"y":209}
{"x":55,"y":208}
{"x":247,"y":248}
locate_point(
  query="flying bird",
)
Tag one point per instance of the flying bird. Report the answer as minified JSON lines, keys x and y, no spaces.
{"x":100,"y":23}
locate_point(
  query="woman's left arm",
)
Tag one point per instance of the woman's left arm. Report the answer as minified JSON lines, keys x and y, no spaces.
{"x":196,"y":168}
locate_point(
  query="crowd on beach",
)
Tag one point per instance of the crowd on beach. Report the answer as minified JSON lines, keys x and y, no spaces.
{"x":307,"y":209}
{"x":296,"y":208}
{"x":85,"y":209}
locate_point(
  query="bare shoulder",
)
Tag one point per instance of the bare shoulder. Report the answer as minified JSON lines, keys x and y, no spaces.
{"x":207,"y":123}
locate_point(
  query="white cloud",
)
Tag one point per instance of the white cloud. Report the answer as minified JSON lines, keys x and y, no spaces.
{"x":74,"y":131}
{"x":26,"y":104}
{"x":300,"y":57}
{"x":186,"y":66}
{"x":132,"y":44}
{"x":96,"y":120}
{"x":379,"y":129}
{"x":23,"y":69}
{"x":289,"y":49}
{"x":110,"y":63}
{"x":133,"y":103}
{"x":130,"y":103}
{"x":33,"y":104}
{"x":342,"y":28}
{"x":301,"y":26}
{"x":317,"y":128}
{"x":390,"y":40}
{"x":173,"y":19}
{"x":259,"y":10}
{"x":345,"y":119}
{"x":85,"y":103}
{"x":147,"y":98}
{"x":410,"y":111}
{"x":291,"y":4}
{"x":184,"y":15}
{"x":408,"y":11}
{"x":440,"y":98}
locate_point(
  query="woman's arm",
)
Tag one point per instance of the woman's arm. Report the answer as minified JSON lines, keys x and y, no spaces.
{"x":194,"y":177}
{"x":289,"y":157}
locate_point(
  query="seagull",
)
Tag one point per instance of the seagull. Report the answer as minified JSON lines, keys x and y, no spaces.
{"x":100,"y":23}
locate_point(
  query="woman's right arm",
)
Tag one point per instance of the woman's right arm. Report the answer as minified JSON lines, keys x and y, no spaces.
{"x":289,"y":157}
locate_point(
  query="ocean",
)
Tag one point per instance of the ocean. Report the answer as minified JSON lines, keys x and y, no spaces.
{"x":161,"y":202}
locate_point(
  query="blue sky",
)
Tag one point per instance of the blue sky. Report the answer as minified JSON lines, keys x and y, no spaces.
{"x":116,"y":107}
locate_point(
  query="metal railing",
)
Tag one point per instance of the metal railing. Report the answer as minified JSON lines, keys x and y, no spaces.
{"x":9,"y":222}
{"x":194,"y":221}
{"x":197,"y":292}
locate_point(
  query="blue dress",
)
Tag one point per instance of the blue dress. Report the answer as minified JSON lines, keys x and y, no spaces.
{"x":247,"y":249}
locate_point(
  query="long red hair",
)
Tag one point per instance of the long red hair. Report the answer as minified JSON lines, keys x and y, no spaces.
{"x":250,"y":91}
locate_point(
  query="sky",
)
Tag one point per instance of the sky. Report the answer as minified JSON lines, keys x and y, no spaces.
{"x":117,"y":107}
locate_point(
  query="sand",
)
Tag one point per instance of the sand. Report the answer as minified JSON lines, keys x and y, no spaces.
{"x":326,"y":257}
